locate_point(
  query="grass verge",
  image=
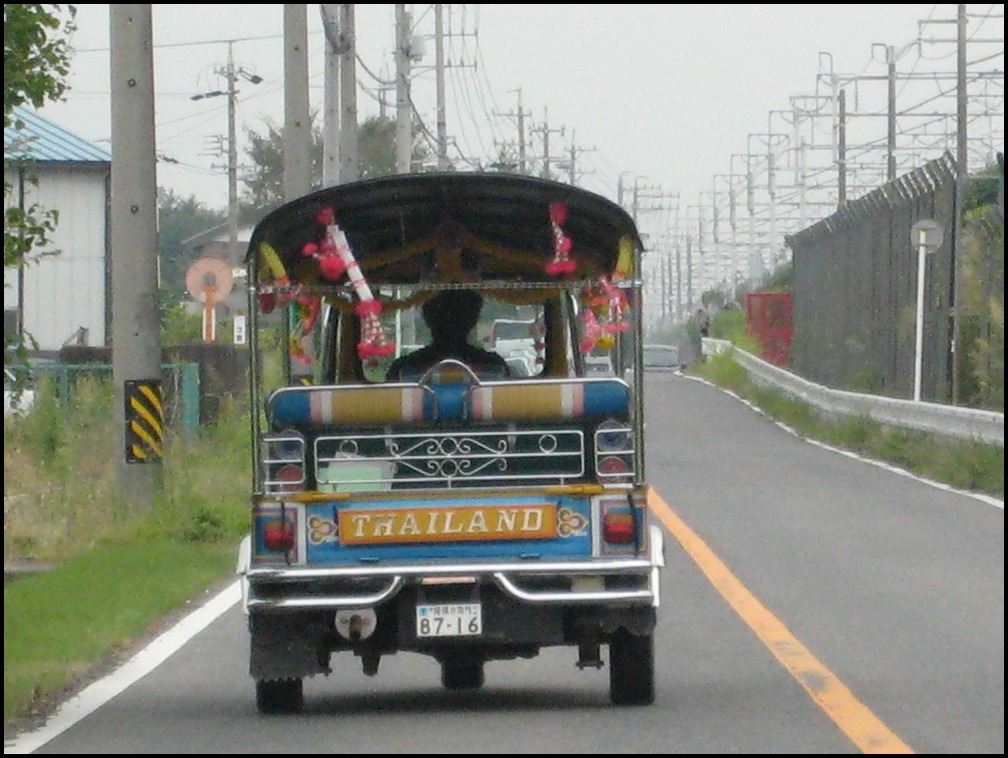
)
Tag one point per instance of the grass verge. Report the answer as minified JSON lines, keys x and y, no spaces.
{"x":64,"y":625}
{"x":964,"y":465}
{"x":119,"y":568}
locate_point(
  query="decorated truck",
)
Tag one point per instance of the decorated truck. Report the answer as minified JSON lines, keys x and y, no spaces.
{"x":431,"y":499}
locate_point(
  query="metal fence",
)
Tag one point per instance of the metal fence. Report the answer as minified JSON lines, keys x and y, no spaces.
{"x":180,"y":387}
{"x":855,"y":290}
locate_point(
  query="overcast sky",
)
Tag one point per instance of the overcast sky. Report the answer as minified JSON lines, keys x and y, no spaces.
{"x":660,"y":94}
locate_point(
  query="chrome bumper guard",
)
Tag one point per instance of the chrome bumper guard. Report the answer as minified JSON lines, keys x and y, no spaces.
{"x":332,"y":588}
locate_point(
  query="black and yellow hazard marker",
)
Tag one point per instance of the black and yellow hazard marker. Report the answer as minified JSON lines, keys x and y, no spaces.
{"x":144,"y":421}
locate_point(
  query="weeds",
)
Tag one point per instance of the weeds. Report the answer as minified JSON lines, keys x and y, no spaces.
{"x":971,"y":466}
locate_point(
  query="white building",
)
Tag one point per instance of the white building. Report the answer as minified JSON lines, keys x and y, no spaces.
{"x":60,"y":296}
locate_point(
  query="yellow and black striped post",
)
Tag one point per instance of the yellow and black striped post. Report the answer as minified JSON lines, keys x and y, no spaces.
{"x":144,"y":421}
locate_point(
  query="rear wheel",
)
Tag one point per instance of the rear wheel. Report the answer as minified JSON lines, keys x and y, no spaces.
{"x":279,"y":696}
{"x":631,"y":669}
{"x":462,"y":675}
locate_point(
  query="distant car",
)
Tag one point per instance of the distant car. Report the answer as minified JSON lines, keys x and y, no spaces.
{"x":521,"y":366}
{"x":17,"y":399}
{"x":598,"y":364}
{"x":662,"y":358}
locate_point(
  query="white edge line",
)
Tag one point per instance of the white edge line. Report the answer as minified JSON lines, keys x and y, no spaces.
{"x":982,"y":497}
{"x":97,"y":694}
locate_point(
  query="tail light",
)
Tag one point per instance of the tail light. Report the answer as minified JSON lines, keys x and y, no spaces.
{"x":619,"y":527}
{"x":614,"y":452}
{"x":613,"y":467}
{"x":283,"y":462}
{"x":290,"y":478}
{"x":279,"y":535}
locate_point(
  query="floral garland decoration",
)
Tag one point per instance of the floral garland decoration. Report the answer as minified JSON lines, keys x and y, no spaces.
{"x":562,"y":263}
{"x":335,"y":258}
{"x":605,"y":307}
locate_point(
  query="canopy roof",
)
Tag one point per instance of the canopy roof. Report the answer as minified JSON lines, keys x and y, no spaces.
{"x":447,"y":227}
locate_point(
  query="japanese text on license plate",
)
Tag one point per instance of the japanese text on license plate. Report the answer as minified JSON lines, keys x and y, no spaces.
{"x":449,"y":620}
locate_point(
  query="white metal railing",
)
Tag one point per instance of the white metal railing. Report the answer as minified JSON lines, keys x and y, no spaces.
{"x":948,"y":420}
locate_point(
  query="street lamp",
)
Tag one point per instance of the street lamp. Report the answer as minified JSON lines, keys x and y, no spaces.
{"x":232,"y":74}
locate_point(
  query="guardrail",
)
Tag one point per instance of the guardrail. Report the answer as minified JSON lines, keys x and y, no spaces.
{"x":947,"y":420}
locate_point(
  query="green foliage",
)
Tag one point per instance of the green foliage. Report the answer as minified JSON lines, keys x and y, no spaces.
{"x":780,"y":279}
{"x":981,"y":366}
{"x":60,"y":471}
{"x":179,"y":219}
{"x":179,"y":326}
{"x":116,"y":570}
{"x":731,"y":325}
{"x":36,"y":64}
{"x":65,"y":623}
{"x":36,"y":56}
{"x":265,"y":187}
{"x":265,"y":183}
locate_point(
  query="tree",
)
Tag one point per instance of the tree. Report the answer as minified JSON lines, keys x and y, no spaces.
{"x":265,"y":184}
{"x":264,"y":187}
{"x":178,"y":220}
{"x":36,"y":64}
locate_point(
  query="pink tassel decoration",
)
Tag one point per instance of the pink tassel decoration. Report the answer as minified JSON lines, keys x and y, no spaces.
{"x":562,"y":263}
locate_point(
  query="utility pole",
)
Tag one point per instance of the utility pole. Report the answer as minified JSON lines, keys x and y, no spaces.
{"x":332,"y":30}
{"x":404,"y":117}
{"x":340,"y":151}
{"x":842,"y":151}
{"x":439,"y":77}
{"x":546,"y":172}
{"x":136,"y":348}
{"x":231,"y":74}
{"x":349,"y":154}
{"x":297,"y":137}
{"x":232,"y":167}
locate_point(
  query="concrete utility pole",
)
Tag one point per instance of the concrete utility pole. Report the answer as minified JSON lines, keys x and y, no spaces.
{"x":439,"y":74}
{"x":348,"y":146}
{"x":842,"y":151}
{"x":521,"y":166}
{"x":231,"y":74}
{"x":404,"y":116}
{"x":297,"y":137}
{"x":136,"y":347}
{"x":330,"y":95}
{"x":546,"y":172}
{"x":232,"y":148}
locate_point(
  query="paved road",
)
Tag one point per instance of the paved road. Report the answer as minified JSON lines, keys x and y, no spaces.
{"x":812,"y":603}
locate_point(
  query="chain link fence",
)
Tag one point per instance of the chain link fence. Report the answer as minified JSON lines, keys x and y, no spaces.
{"x":855,"y":290}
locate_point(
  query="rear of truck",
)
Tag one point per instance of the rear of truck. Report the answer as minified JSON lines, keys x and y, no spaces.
{"x":465,"y":518}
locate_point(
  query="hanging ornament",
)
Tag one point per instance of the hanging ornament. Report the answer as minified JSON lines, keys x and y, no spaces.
{"x":331,"y":264}
{"x":374,"y":343}
{"x":591,"y":330}
{"x":602,"y":315}
{"x":562,"y":263}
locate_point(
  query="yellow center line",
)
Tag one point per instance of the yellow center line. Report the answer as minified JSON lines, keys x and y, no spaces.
{"x":860,"y":725}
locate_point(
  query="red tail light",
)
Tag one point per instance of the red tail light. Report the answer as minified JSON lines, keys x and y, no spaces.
{"x":293,"y":474}
{"x":613,"y":466}
{"x":279,"y":535}
{"x":619,"y":528}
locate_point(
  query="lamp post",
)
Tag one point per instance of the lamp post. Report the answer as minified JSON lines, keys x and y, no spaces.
{"x":927,"y":235}
{"x":231,"y":74}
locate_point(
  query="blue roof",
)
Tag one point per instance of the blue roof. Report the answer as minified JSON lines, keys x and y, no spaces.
{"x":41,"y":140}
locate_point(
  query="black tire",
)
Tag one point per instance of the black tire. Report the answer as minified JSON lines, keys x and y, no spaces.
{"x":631,"y":669}
{"x":279,"y":696}
{"x":462,"y":675}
